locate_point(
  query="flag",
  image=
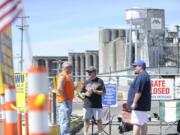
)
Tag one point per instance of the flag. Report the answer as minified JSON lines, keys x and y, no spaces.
{"x":169,"y":110}
{"x":9,"y":10}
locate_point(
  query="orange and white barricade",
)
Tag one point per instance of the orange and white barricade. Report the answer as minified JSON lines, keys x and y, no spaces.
{"x":2,"y":114}
{"x":10,"y":113}
{"x":37,"y":101}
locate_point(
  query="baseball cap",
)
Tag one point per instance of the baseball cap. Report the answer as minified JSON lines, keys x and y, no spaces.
{"x":90,"y":69}
{"x":66,"y":64}
{"x":139,"y":63}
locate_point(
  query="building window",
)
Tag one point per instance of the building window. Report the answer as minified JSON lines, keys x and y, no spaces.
{"x":91,"y":60}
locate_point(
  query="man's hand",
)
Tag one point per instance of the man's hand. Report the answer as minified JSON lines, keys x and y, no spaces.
{"x":133,"y":106}
{"x":98,"y":92}
{"x":135,"y":100}
{"x":94,"y":90}
{"x":88,"y":92}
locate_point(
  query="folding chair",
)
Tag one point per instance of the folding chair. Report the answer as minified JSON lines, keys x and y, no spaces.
{"x":106,"y":121}
{"x":169,"y":113}
{"x":125,"y":125}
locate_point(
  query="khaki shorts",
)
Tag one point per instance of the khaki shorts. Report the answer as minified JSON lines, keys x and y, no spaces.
{"x":139,"y":117}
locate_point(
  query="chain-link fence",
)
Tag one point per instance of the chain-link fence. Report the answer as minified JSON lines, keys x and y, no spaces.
{"x":164,"y":87}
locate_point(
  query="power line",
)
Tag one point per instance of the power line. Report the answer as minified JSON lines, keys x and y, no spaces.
{"x":22,"y":27}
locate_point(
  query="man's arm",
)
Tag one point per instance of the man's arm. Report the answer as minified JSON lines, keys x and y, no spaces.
{"x":136,"y":99}
{"x":139,"y":87}
{"x":84,"y":92}
{"x":60,"y":86}
{"x":99,"y":92}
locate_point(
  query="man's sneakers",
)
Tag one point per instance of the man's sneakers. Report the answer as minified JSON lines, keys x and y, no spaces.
{"x":101,"y":133}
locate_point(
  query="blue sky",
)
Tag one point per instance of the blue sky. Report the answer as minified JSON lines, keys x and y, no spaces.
{"x":59,"y":26}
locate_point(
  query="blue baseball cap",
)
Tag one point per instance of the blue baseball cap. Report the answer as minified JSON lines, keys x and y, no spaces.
{"x":139,"y":63}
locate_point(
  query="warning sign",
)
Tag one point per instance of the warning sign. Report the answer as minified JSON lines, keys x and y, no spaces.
{"x":21,"y":90}
{"x":162,"y":89}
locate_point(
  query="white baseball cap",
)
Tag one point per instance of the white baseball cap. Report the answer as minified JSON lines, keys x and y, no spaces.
{"x":66,"y":64}
{"x":91,"y":69}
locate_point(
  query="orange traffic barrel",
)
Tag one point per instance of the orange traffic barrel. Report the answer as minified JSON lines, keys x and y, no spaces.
{"x":2,"y":114}
{"x":37,"y":101}
{"x":10,"y":113}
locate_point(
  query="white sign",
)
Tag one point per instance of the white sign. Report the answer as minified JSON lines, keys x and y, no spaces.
{"x":156,"y":23}
{"x":162,"y":89}
{"x":177,"y":88}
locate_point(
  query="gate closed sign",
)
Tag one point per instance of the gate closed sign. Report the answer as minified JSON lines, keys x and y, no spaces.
{"x":162,"y":89}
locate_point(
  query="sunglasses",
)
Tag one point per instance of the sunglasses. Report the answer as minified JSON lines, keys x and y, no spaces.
{"x":89,"y":72}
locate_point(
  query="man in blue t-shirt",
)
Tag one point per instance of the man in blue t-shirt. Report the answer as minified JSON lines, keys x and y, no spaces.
{"x":139,"y":98}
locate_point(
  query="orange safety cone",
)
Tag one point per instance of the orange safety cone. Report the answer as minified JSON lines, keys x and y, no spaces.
{"x":2,"y":114}
{"x":37,"y":101}
{"x":10,"y":113}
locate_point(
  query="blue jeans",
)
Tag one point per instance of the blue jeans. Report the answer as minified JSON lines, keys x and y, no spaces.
{"x":64,"y":112}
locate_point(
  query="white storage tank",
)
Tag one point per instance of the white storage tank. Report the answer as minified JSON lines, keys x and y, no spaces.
{"x":106,"y":35}
{"x":115,"y":34}
{"x":136,"y":16}
{"x":122,"y":33}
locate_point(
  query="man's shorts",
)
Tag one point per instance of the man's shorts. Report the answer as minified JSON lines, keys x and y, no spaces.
{"x":139,"y":117}
{"x":88,"y":113}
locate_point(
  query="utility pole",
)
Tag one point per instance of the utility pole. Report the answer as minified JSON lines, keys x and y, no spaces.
{"x":177,"y":28}
{"x":18,"y":57}
{"x":22,"y":28}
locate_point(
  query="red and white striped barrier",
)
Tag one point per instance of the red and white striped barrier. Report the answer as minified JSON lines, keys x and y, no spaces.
{"x":10,"y":113}
{"x":37,"y":101}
